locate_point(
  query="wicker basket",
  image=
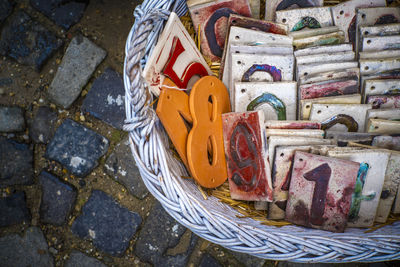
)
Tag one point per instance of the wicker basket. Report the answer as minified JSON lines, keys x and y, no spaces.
{"x":210,"y":219}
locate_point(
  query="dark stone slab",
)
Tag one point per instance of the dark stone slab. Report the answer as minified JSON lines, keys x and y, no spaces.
{"x":58,"y":199}
{"x":76,"y":147}
{"x":106,"y":99}
{"x":109,"y":225}
{"x":5,"y":9}
{"x":160,"y":233}
{"x":122,"y":167}
{"x":27,"y":41}
{"x":64,"y":13}
{"x":16,"y":161}
{"x":79,"y":259}
{"x":13,"y":210}
{"x":42,"y":127}
{"x":209,"y":261}
{"x":77,"y":66}
{"x":248,"y":260}
{"x":11,"y":119}
{"x":5,"y":81}
{"x":29,"y":250}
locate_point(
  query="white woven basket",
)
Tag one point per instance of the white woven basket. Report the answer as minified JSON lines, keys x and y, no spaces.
{"x":210,"y":219}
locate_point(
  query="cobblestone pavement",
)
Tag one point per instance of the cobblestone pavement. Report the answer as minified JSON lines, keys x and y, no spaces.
{"x":70,"y":193}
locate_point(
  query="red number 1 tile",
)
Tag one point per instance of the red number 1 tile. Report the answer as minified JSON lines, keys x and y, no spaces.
{"x":320,"y":192}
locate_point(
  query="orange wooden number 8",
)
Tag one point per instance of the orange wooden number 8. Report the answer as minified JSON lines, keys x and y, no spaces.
{"x":205,"y":128}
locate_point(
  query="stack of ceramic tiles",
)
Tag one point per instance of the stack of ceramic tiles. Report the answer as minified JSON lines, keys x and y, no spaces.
{"x":378,"y":44}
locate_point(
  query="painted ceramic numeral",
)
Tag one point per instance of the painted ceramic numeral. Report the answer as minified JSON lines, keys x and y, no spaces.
{"x":248,"y":169}
{"x":173,"y":109}
{"x":192,"y":69}
{"x":209,"y":170}
{"x":320,"y":175}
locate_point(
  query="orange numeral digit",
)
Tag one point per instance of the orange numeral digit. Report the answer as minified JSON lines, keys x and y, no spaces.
{"x":172,"y":109}
{"x":207,"y":128}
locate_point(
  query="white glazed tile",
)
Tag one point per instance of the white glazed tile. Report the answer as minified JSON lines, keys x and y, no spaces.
{"x":330,"y":75}
{"x":313,"y":32}
{"x":319,"y":40}
{"x":379,"y":54}
{"x":271,"y":6}
{"x":377,"y":43}
{"x":372,"y":66}
{"x":325,"y":112}
{"x":383,"y":114}
{"x":284,"y":92}
{"x":326,"y":57}
{"x":383,"y":126}
{"x":293,"y":16}
{"x":373,"y":183}
{"x":295,"y":132}
{"x":323,"y":49}
{"x":309,"y":69}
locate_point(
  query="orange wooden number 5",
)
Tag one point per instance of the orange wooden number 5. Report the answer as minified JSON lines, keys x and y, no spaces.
{"x":207,"y":129}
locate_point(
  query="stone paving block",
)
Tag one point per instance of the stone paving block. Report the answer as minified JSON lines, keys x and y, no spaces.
{"x":5,"y":9}
{"x":16,"y":161}
{"x":106,"y":99}
{"x":13,"y":210}
{"x":64,"y":13}
{"x":11,"y":119}
{"x":28,"y":250}
{"x":42,"y":127}
{"x":122,"y":167}
{"x":27,"y":41}
{"x":78,"y":64}
{"x":248,"y":260}
{"x":58,"y":199}
{"x":76,"y":147}
{"x":109,"y":225}
{"x":209,"y":261}
{"x":159,"y":233}
{"x":79,"y":259}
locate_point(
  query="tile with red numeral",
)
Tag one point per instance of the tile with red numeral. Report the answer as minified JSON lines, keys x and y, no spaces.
{"x":249,"y":171}
{"x":212,"y":19}
{"x":320,"y":191}
{"x":175,"y":56}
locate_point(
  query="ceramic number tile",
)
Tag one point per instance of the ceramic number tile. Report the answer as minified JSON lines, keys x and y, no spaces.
{"x":375,"y":16}
{"x":238,"y":35}
{"x":396,"y":204}
{"x":373,"y":43}
{"x":381,"y":87}
{"x":380,"y":30}
{"x":275,"y":141}
{"x":255,"y":49}
{"x":298,"y":19}
{"x":296,"y":132}
{"x":393,"y":74}
{"x":305,"y":33}
{"x":326,"y":57}
{"x":379,"y":54}
{"x":212,"y":19}
{"x":369,"y":184}
{"x":384,"y":101}
{"x":344,"y":137}
{"x":249,"y":172}
{"x":323,"y":49}
{"x":320,"y":191}
{"x":340,"y":117}
{"x":277,"y":100}
{"x":175,"y":56}
{"x":309,"y":69}
{"x":353,"y":73}
{"x":325,"y":89}
{"x":257,"y":24}
{"x":387,"y":141}
{"x":258,"y":68}
{"x":372,"y":66}
{"x":390,"y":187}
{"x":383,"y":126}
{"x":319,"y":40}
{"x":272,"y":6}
{"x":294,"y":124}
{"x":344,"y":15}
{"x":281,"y":173}
{"x":306,"y":104}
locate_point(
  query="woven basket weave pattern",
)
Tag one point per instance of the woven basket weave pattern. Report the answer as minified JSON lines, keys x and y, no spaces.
{"x":210,"y":219}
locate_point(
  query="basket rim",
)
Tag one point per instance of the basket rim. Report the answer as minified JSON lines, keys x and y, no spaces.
{"x":212,"y":220}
